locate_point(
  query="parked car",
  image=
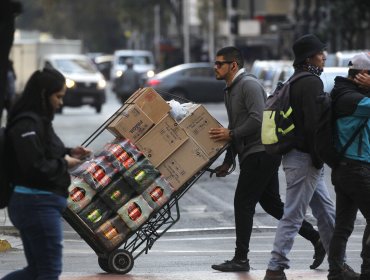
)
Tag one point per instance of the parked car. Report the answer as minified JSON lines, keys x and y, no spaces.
{"x":344,"y":57}
{"x":329,"y":75}
{"x":267,"y":70}
{"x":193,"y":81}
{"x":281,"y":74}
{"x":85,"y":84}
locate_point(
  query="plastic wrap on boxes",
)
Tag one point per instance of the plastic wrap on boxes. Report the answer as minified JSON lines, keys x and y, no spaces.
{"x":98,"y":172}
{"x":158,"y":193}
{"x":141,"y":175}
{"x":112,"y":233}
{"x":80,"y":194}
{"x":96,"y":213}
{"x":135,"y":212}
{"x":121,"y":153}
{"x":117,"y":193}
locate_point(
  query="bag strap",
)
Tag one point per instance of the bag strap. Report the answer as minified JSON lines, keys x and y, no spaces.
{"x":299,"y":75}
{"x":352,"y":138}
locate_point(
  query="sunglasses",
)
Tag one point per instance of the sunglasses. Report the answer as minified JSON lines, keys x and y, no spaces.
{"x":219,"y":64}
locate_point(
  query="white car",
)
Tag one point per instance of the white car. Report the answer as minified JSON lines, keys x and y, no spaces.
{"x":85,"y":84}
{"x":143,"y":63}
{"x":329,"y":75}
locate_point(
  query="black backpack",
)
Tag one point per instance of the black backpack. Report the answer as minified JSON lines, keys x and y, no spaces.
{"x":325,"y":133}
{"x":6,"y":188}
{"x":277,"y":133}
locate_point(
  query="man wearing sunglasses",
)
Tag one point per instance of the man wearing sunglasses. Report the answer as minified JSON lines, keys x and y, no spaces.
{"x":258,"y":180}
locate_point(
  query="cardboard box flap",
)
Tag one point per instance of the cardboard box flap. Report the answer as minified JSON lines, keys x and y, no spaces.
{"x":132,"y":123}
{"x":148,"y":100}
{"x":197,"y":125}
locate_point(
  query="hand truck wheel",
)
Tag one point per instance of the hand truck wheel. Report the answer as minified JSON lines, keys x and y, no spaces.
{"x":120,"y":261}
{"x":103,"y":263}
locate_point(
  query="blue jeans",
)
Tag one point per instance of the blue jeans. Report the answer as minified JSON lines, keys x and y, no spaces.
{"x":39,"y":221}
{"x":305,"y":187}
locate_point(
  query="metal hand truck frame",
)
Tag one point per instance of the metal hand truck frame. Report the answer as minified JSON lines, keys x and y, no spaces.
{"x":120,"y":260}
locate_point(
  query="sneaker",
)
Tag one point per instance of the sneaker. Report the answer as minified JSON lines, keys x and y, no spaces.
{"x":275,"y":275}
{"x":319,"y":255}
{"x":234,"y":265}
{"x":346,"y":274}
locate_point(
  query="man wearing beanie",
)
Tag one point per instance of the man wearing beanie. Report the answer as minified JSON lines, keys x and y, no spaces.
{"x":351,"y":177}
{"x":303,"y":169}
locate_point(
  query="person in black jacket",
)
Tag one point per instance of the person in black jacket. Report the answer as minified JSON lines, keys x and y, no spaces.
{"x":302,"y":166}
{"x":128,"y":83}
{"x":39,"y":164}
{"x":351,"y":176}
{"x":258,"y":181}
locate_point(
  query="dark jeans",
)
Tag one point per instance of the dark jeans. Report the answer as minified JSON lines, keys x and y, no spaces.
{"x":352,"y":187}
{"x":259,"y":182}
{"x":39,"y":221}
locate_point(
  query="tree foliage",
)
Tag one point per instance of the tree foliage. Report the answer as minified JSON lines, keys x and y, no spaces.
{"x":102,"y":25}
{"x":347,"y":25}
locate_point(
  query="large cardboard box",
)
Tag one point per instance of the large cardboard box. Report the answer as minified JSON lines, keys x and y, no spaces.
{"x":150,"y":102}
{"x":184,"y":163}
{"x":132,"y":124}
{"x":197,"y":125}
{"x":162,"y":140}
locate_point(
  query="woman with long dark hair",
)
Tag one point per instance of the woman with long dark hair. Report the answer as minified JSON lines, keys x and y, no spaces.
{"x":39,"y":164}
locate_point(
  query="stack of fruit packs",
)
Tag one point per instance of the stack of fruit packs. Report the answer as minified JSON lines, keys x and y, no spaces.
{"x":115,"y":192}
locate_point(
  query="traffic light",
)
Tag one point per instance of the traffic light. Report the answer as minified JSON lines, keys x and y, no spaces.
{"x":234,"y":24}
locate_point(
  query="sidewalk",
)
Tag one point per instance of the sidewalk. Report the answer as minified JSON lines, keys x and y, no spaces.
{"x":204,"y":275}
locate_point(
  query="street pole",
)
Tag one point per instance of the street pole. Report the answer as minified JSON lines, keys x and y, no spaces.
{"x":229,"y":12}
{"x":157,"y":33}
{"x":211,"y":35}
{"x":185,"y":23}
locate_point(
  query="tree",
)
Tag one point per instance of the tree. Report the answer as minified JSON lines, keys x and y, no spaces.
{"x":102,"y":25}
{"x":348,"y":24}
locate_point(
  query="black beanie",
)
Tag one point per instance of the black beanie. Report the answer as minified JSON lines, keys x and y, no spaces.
{"x":306,"y":46}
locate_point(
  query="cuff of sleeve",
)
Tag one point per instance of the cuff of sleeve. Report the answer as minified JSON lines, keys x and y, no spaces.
{"x":68,"y":151}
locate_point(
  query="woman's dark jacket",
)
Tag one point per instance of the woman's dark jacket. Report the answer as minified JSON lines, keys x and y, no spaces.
{"x":36,"y":156}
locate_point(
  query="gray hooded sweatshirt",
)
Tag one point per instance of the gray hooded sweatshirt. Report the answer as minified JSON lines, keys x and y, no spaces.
{"x":245,"y":101}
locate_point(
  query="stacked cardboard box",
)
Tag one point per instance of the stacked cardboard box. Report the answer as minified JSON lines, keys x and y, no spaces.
{"x":151,"y":158}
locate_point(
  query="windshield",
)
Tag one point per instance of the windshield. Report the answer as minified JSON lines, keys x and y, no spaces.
{"x":74,"y":65}
{"x":138,"y":60}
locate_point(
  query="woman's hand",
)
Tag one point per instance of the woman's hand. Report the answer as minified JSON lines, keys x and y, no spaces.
{"x":72,"y":161}
{"x":80,"y":152}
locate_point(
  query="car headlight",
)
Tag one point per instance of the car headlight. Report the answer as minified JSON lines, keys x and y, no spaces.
{"x":150,"y":73}
{"x":101,"y":84}
{"x":70,"y":83}
{"x":119,"y":73}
